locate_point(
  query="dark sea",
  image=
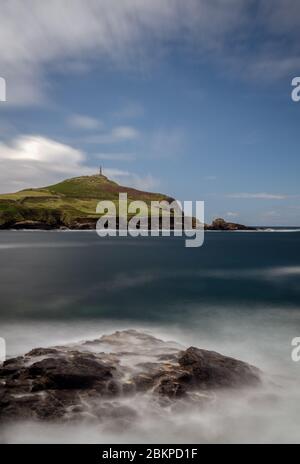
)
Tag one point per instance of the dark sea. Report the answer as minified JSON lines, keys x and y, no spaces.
{"x":238,"y":294}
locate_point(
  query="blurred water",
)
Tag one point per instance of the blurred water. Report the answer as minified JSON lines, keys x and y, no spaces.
{"x":239,"y":294}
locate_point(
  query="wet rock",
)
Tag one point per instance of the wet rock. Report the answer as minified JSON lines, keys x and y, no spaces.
{"x":42,"y":352}
{"x":11,"y":366}
{"x":78,"y":372}
{"x":208,"y":369}
{"x":172,"y":387}
{"x":95,"y":380}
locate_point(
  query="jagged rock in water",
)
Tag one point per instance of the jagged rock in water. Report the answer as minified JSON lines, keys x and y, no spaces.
{"x":95,"y":379}
{"x":221,"y":224}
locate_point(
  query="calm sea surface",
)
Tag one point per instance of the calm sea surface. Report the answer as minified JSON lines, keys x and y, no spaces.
{"x":65,"y":276}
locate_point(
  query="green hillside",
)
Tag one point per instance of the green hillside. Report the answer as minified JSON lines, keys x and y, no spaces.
{"x":71,"y":203}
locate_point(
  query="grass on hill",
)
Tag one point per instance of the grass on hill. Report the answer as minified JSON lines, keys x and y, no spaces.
{"x":67,"y":201}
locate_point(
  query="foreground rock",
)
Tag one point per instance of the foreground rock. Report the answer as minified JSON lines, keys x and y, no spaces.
{"x":96,"y":379}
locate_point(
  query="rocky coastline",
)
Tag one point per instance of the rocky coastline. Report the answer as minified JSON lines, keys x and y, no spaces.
{"x":90,"y":224}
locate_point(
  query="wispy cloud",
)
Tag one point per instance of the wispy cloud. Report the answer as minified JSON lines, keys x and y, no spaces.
{"x":124,"y":133}
{"x":80,"y":121}
{"x":132,"y":33}
{"x":145,"y":182}
{"x":117,"y":134}
{"x":130,"y":110}
{"x":231,"y":214}
{"x":258,"y":196}
{"x":141,"y":182}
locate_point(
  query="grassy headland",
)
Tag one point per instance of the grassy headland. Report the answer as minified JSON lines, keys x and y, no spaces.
{"x":71,"y":203}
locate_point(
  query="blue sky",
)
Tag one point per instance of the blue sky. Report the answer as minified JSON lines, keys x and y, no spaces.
{"x":189,"y":98}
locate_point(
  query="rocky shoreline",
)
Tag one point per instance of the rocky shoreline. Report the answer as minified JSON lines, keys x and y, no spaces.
{"x":93,"y":379}
{"x":90,"y":224}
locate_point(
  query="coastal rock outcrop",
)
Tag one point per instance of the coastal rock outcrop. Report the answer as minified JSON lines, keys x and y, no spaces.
{"x":95,"y":379}
{"x":221,"y":224}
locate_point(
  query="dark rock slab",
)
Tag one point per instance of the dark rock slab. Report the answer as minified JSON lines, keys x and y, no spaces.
{"x":93,"y":380}
{"x":208,"y":369}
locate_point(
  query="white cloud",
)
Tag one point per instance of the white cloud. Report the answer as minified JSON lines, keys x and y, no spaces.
{"x":36,"y":148}
{"x":35,"y":35}
{"x":117,"y":134}
{"x":124,"y":133}
{"x":80,"y":121}
{"x":258,"y":196}
{"x":232,"y":214}
{"x":36,"y":161}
